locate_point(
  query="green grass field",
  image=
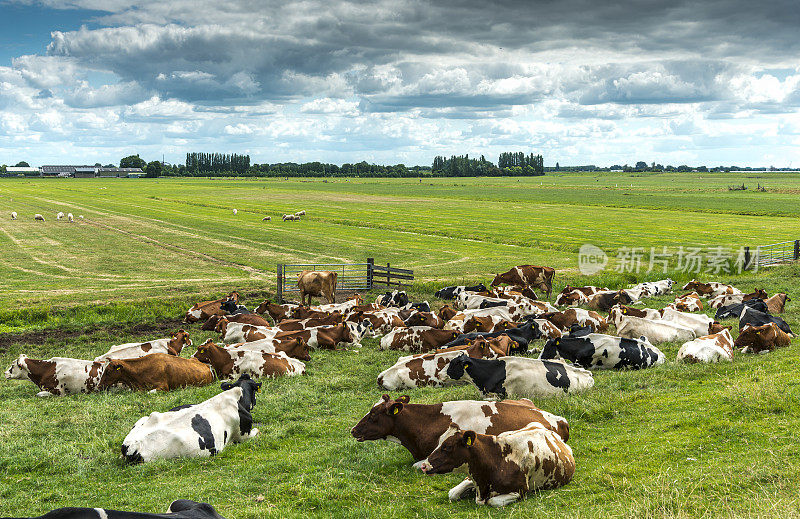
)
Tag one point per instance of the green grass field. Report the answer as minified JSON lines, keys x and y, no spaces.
{"x":673,"y":441}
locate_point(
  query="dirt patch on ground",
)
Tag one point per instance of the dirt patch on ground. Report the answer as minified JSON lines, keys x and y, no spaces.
{"x":40,"y":337}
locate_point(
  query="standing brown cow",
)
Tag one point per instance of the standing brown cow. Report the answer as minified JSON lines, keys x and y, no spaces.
{"x":317,"y":283}
{"x":530,"y":275}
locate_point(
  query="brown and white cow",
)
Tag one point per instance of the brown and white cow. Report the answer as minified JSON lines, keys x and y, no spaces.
{"x":523,"y":290}
{"x":352,"y":302}
{"x":59,"y":375}
{"x":503,"y":468}
{"x":342,"y":335}
{"x":420,"y":428}
{"x":732,"y":299}
{"x":205,"y":309}
{"x":563,"y":320}
{"x":618,"y":311}
{"x":712,"y":289}
{"x":231,"y":363}
{"x":254,"y":319}
{"x":489,"y":323}
{"x":715,"y":347}
{"x":241,"y":332}
{"x":276,"y":311}
{"x":133,"y":350}
{"x":688,"y":303}
{"x":290,"y":325}
{"x":423,"y":319}
{"x":531,"y":275}
{"x":776,"y":303}
{"x":761,"y":339}
{"x":605,"y":300}
{"x":295,"y":348}
{"x":382,"y":321}
{"x":314,"y":283}
{"x":571,"y":298}
{"x":157,"y":371}
{"x":417,"y":339}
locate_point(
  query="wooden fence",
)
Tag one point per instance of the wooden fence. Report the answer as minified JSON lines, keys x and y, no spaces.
{"x":351,"y":276}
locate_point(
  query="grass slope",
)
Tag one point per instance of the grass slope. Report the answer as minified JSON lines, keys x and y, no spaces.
{"x":674,"y":441}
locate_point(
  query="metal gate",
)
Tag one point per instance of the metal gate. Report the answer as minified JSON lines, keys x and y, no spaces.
{"x":776,"y":253}
{"x":351,"y":276}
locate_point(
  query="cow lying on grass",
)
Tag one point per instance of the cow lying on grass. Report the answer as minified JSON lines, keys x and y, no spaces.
{"x":59,"y":375}
{"x":197,"y":430}
{"x":763,"y":338}
{"x":598,"y":351}
{"x":133,"y":350}
{"x":205,"y":309}
{"x":157,"y":371}
{"x":232,"y":362}
{"x":503,"y":468}
{"x":420,"y":428}
{"x":430,"y":369}
{"x":520,"y":376}
{"x":180,"y":509}
{"x":716,"y":347}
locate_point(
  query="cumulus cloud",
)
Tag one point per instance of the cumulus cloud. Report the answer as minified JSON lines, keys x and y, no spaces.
{"x":352,"y":79}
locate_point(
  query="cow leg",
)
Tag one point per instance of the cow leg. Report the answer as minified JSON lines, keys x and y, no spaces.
{"x":463,"y":490}
{"x":503,"y":499}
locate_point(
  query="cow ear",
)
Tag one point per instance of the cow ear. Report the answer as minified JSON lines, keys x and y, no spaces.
{"x":226,"y":386}
{"x":385,"y":398}
{"x":469,"y":438}
{"x":395,"y":408}
{"x":405,"y":399}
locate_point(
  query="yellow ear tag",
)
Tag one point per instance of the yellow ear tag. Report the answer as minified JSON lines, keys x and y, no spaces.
{"x":258,"y":388}
{"x":469,"y":440}
{"x":118,"y":368}
{"x":558,"y":342}
{"x":202,"y":350}
{"x":395,"y":410}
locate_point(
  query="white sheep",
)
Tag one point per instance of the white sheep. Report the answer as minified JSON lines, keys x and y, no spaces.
{"x":70,"y":219}
{"x":266,"y":219}
{"x":80,"y":216}
{"x":300,"y":213}
{"x":13,"y":215}
{"x":234,"y":212}
{"x":37,"y":216}
{"x":60,"y":215}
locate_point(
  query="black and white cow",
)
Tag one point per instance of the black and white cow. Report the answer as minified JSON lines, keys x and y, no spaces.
{"x":180,"y":509}
{"x":520,"y":376}
{"x":233,"y":308}
{"x":735,"y":309}
{"x":752,"y":317}
{"x":599,"y":351}
{"x":195,"y":430}
{"x":452,"y":292}
{"x":397,"y":298}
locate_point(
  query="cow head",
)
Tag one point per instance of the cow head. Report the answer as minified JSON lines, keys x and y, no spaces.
{"x":229,"y":305}
{"x":249,"y":389}
{"x":116,"y":372}
{"x":211,"y":323}
{"x":498,"y":279}
{"x":716,"y":327}
{"x":459,"y":366}
{"x":205,"y":352}
{"x":18,"y":369}
{"x":358,"y":330}
{"x":222,"y":326}
{"x":178,"y":341}
{"x":379,"y":422}
{"x":296,"y":348}
{"x":446,"y":313}
{"x":234,"y":296}
{"x":452,"y":453}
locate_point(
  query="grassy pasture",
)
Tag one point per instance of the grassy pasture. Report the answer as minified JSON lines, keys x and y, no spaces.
{"x":674,"y":441}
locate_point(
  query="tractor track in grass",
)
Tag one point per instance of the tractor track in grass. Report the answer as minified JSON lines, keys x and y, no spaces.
{"x":182,"y":250}
{"x":41,"y":337}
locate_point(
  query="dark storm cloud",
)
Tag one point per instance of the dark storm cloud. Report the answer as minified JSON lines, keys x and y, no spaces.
{"x":240,"y":51}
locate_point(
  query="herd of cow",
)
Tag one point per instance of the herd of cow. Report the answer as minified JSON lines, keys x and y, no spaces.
{"x":481,"y":336}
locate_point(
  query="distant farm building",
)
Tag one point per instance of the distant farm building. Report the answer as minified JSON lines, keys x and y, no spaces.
{"x":90,"y":172}
{"x":119,"y":172}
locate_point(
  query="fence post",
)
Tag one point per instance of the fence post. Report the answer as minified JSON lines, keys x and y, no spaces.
{"x":280,"y":284}
{"x":747,"y":259}
{"x":797,"y":249}
{"x":370,"y":264}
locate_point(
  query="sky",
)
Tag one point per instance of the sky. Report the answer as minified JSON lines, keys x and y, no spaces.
{"x":401,"y":81}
